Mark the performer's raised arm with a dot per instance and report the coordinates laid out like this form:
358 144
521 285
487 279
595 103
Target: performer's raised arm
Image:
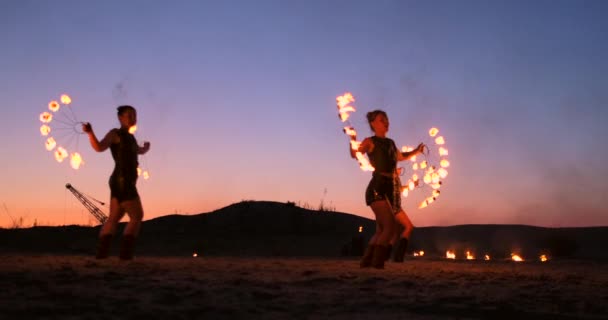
97 145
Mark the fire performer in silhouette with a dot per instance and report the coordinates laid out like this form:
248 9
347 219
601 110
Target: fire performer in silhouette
383 194
124 195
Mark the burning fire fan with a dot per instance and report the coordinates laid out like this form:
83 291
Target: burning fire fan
432 170
62 130
65 131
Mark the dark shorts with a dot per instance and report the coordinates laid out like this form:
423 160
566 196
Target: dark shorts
384 188
123 189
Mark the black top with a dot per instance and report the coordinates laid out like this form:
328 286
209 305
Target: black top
125 155
384 156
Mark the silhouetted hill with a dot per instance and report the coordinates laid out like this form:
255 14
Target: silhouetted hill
261 228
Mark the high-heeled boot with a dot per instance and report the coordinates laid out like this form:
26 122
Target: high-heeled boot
366 260
126 249
380 253
103 246
401 249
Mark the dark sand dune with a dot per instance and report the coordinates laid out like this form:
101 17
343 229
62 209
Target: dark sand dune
258 228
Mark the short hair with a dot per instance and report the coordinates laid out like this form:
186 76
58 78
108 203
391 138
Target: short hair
125 108
371 116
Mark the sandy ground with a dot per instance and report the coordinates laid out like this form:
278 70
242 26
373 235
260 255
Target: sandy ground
74 287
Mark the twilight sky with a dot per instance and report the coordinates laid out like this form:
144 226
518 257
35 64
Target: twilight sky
238 101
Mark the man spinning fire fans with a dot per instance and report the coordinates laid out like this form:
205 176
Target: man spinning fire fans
124 195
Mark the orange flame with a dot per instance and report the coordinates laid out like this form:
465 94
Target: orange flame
444 163
439 140
423 205
427 178
415 166
436 193
442 173
60 154
364 162
450 254
50 143
350 131
486 257
470 256
435 177
419 254
443 151
76 160
46 117
543 258
54 106
516 257
360 229
146 175
405 192
45 130
65 99
194 255
423 165
132 129
433 132
139 171
344 108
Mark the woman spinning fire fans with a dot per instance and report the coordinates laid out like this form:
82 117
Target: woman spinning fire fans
124 196
383 193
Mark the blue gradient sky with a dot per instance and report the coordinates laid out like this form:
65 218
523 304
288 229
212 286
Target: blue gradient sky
238 101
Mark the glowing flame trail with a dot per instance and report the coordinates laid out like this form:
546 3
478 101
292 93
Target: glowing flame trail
344 109
515 257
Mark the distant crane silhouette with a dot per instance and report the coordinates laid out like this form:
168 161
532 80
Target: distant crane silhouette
93 209
9 215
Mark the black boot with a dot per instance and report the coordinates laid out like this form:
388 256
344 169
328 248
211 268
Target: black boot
401 249
380 253
126 250
388 254
366 260
103 246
